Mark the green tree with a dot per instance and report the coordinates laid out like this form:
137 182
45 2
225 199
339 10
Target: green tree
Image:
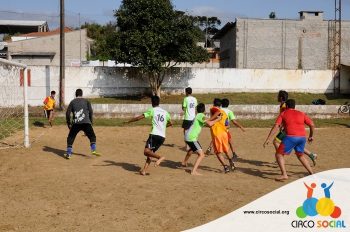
105 40
154 37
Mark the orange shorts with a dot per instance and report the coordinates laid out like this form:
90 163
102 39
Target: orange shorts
220 143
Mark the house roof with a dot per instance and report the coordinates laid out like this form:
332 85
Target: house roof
22 23
48 33
224 30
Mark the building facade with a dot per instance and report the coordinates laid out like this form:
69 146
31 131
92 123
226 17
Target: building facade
305 43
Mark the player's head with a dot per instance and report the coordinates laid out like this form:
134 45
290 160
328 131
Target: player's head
282 96
188 91
225 103
217 102
290 103
79 93
53 93
155 100
200 108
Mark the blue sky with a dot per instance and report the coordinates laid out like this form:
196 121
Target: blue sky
101 11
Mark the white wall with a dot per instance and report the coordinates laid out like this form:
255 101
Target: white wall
105 81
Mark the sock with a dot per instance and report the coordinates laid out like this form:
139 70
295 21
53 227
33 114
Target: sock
69 150
93 146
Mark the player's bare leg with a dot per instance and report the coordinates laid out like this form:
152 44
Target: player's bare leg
305 163
210 147
196 164
276 144
51 118
281 163
143 171
187 157
311 155
150 154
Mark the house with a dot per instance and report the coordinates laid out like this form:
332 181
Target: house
303 43
43 48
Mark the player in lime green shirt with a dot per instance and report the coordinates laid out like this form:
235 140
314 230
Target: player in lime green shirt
192 134
160 121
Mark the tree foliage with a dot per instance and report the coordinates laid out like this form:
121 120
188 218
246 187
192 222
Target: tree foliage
105 40
154 37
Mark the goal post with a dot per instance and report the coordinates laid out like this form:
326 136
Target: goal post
14 113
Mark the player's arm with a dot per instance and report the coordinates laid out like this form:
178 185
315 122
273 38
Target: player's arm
215 115
210 122
184 105
135 119
68 113
311 125
45 100
237 124
91 113
273 131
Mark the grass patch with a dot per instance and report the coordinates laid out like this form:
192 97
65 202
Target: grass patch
235 98
248 123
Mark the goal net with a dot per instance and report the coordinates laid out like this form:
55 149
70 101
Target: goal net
13 105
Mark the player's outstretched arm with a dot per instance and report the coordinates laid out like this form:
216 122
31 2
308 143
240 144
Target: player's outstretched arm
273 131
210 122
136 119
311 138
237 124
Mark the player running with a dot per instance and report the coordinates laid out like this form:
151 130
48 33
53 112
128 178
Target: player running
49 107
282 97
293 122
191 137
160 121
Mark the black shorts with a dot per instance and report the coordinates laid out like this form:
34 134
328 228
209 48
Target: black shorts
194 146
186 124
47 113
154 142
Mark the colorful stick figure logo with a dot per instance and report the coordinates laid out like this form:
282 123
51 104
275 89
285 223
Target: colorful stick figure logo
323 206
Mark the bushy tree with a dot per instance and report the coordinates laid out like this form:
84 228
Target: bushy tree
105 40
154 37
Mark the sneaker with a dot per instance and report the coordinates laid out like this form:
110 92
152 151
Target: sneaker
67 156
226 169
232 165
235 157
313 158
95 153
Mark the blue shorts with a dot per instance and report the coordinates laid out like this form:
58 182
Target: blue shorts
292 142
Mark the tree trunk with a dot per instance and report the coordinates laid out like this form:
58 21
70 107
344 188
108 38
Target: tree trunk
155 82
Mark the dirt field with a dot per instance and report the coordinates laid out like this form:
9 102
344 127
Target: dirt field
42 191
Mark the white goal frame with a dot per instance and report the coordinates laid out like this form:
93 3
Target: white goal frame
25 103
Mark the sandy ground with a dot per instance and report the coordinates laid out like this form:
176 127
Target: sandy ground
42 191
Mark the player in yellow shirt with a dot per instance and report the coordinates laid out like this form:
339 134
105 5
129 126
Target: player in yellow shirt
49 107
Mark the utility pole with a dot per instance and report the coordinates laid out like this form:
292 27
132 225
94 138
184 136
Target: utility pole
79 42
337 47
62 56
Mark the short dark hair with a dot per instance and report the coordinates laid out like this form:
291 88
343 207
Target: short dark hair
200 108
79 93
290 103
225 102
155 100
217 102
188 90
283 95
53 92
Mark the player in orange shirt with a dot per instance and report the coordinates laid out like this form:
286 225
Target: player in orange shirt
219 134
49 107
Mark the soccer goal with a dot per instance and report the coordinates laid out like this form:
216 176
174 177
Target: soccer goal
14 125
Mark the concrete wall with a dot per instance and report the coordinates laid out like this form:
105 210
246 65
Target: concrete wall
52 44
282 44
105 81
241 111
